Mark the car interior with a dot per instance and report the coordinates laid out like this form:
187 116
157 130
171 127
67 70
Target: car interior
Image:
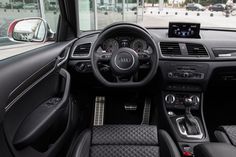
122 91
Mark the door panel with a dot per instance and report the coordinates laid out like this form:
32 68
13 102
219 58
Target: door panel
36 113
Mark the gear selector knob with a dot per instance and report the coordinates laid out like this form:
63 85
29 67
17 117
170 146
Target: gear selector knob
188 102
190 121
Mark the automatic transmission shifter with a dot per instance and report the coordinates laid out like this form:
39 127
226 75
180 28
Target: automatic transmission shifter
190 122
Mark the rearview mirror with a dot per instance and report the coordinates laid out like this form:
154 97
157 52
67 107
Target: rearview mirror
30 30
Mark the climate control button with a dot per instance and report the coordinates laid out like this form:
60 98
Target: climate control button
169 98
195 99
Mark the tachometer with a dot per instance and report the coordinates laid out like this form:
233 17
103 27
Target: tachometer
139 45
110 45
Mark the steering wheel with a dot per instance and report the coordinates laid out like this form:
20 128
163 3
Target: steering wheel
124 62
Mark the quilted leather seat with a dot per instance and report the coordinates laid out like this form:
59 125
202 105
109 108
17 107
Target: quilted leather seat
226 134
125 141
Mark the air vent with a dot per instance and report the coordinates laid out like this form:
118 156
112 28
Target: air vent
82 50
224 52
170 49
197 50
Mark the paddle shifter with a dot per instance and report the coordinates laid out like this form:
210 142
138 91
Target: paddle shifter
190 122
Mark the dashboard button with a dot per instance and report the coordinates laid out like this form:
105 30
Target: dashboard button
170 74
186 75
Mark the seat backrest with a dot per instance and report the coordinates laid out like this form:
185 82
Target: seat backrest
125 141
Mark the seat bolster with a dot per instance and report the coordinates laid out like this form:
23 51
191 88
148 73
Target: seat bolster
230 132
167 145
221 137
83 145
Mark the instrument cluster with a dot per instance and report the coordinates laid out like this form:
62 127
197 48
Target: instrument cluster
113 44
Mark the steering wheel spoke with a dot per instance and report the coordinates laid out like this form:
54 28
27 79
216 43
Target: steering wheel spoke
125 79
103 56
144 56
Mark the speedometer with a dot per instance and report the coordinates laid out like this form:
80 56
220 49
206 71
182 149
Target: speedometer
110 45
139 45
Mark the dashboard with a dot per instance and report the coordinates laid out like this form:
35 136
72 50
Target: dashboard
181 60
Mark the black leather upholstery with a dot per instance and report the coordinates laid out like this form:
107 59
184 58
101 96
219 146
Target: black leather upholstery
226 134
83 145
167 145
125 134
125 141
214 150
124 151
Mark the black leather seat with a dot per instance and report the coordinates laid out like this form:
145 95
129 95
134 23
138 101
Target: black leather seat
125 141
226 134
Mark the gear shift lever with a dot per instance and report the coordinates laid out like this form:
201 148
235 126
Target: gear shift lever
189 120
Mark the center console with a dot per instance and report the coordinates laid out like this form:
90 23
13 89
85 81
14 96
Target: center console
187 125
183 112
182 102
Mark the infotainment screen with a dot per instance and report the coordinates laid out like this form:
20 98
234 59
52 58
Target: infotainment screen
184 30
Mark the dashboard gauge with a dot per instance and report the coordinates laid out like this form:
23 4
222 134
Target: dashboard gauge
124 43
139 45
110 45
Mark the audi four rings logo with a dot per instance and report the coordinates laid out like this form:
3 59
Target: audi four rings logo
124 60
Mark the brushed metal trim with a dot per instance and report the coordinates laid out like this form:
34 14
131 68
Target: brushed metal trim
199 136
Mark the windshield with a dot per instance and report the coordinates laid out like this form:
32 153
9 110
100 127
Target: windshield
97 14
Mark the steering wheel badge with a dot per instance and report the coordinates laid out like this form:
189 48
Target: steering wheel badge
124 61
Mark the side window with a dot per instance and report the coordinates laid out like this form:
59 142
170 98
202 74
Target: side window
17 9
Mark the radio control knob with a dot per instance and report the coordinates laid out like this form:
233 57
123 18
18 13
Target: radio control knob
186 75
169 98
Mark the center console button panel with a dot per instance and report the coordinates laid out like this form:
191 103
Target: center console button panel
187 71
185 75
176 100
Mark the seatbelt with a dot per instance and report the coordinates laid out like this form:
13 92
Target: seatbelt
146 112
99 111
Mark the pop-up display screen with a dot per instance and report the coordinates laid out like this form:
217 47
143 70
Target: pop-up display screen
184 30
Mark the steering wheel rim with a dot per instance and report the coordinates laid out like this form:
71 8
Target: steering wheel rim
154 59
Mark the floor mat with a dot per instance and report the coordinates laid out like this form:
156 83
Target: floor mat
115 112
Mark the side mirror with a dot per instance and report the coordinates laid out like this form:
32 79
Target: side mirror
30 30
